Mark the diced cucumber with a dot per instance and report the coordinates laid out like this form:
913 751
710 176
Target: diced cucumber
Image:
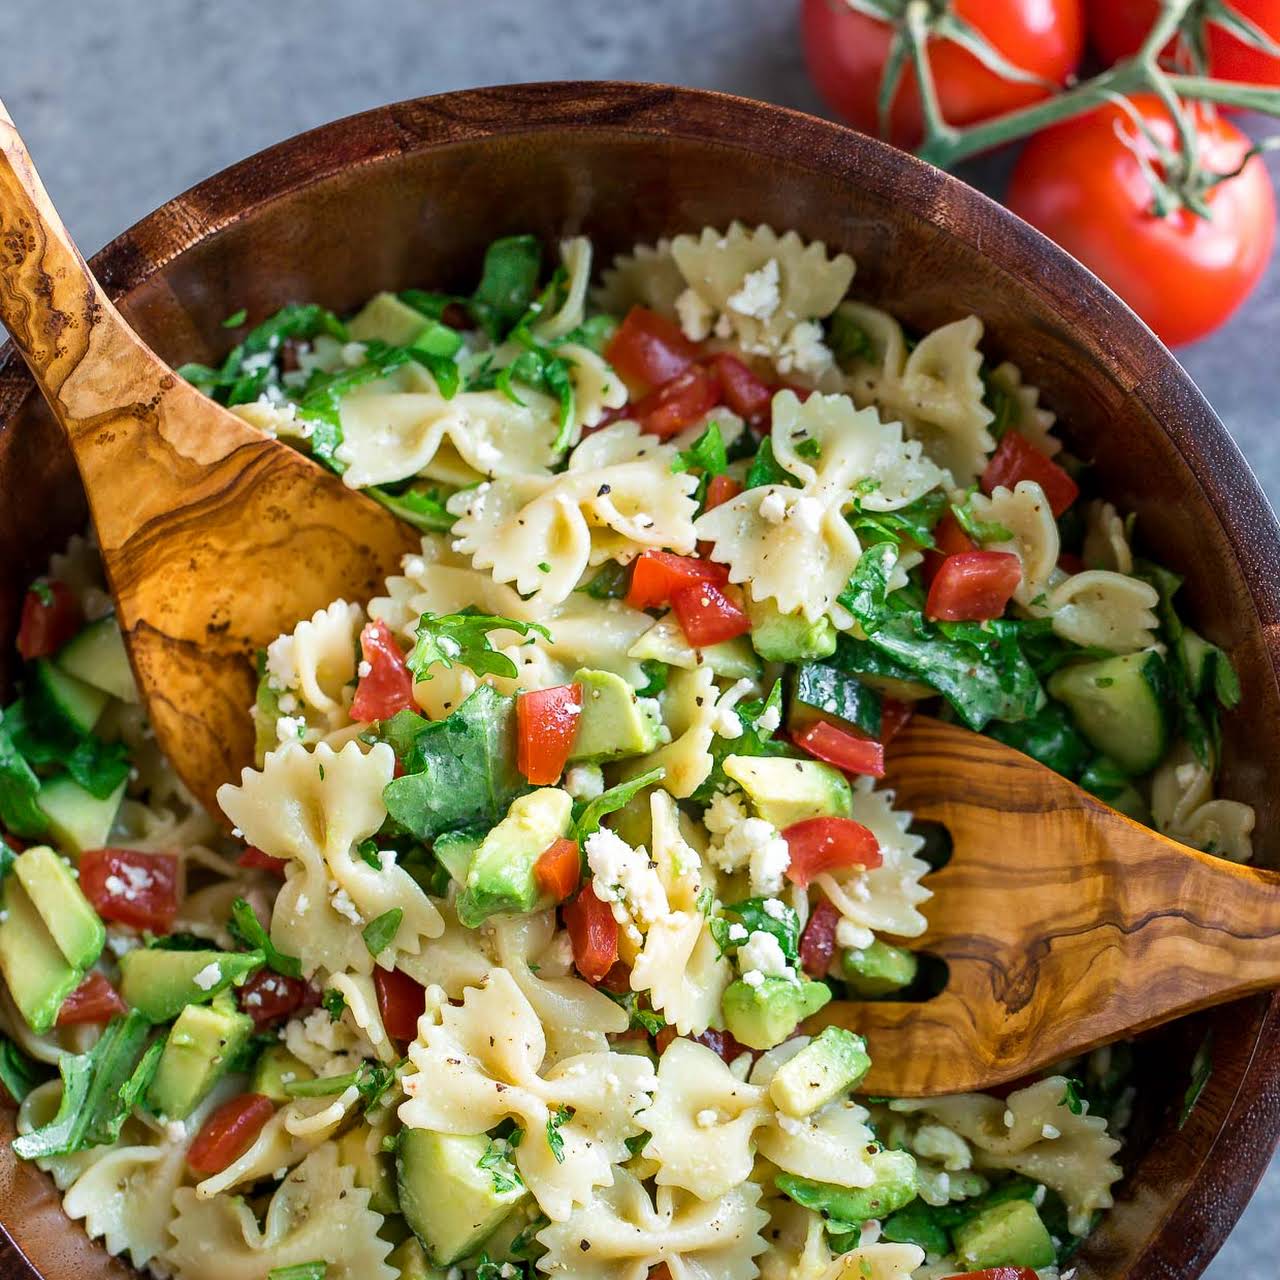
64 699
1102 779
78 820
820 692
454 851
1196 651
1121 705
97 656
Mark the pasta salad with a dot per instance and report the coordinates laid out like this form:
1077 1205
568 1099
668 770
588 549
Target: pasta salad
514 961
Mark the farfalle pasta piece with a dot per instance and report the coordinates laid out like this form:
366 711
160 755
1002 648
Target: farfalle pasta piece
1106 539
1104 610
314 669
459 958
688 706
621 1234
1183 807
318 1212
1026 513
485 1062
682 970
645 277
575 258
1029 418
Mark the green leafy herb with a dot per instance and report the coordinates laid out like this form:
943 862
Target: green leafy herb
504 1174
1002 403
43 592
370 1079
1049 736
299 1271
555 1139
1071 1098
912 523
463 638
1201 1070
765 469
235 319
638 1017
809 449
754 915
378 933
706 454
848 340
917 1223
424 509
428 304
593 333
754 740
656 673
981 531
587 821
247 929
611 583
19 786
369 854
637 1142
508 283
99 1090
526 1245
40 735
18 1073
8 854
867 593
334 1003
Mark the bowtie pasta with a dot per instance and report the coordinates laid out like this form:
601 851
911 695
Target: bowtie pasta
552 854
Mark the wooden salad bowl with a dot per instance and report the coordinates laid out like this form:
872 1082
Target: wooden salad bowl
411 194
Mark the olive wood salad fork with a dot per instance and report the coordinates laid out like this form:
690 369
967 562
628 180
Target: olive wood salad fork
215 537
1063 924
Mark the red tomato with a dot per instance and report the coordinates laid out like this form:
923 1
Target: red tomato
1069 562
846 53
949 539
973 586
50 617
720 489
259 861
660 1272
593 932
996 1273
546 722
1081 184
387 687
658 573
1017 459
836 746
721 1042
269 996
401 1002
648 349
558 869
829 844
707 616
818 941
747 395
228 1133
618 980
138 889
893 718
678 403
1116 31
94 1000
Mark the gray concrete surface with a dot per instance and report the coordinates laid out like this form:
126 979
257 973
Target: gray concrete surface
124 104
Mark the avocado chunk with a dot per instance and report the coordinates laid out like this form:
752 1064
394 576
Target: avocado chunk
1006 1235
58 698
72 923
37 973
783 791
894 1186
765 1015
665 642
879 969
410 1260
97 656
500 877
373 1168
614 723
788 637
829 1065
266 711
384 318
820 692
450 1201
201 1043
454 851
160 984
276 1068
77 820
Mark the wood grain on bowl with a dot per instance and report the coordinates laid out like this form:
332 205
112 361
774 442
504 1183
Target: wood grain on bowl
411 194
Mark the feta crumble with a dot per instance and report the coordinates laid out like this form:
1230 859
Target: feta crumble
762 954
804 351
706 1118
365 668
738 932
208 977
290 728
758 296
726 723
342 904
584 781
773 506
753 978
627 879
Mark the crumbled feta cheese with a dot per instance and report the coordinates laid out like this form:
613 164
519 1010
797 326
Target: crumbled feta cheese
414 566
508 1270
343 905
118 943
770 858
762 953
1008 1118
353 354
175 1131
114 886
758 295
742 841
282 672
208 977
1050 1131
773 506
584 781
726 723
775 908
706 1118
753 978
695 315
806 514
789 1124
724 813
737 932
365 668
290 728
769 719
287 703
626 878
804 351
851 934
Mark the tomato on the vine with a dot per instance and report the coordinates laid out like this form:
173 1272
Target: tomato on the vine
1081 183
846 52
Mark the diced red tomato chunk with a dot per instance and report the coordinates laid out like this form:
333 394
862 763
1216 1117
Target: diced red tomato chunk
836 746
269 996
259 861
818 942
973 586
995 1273
401 1002
648 349
94 1000
229 1132
133 888
949 539
593 932
50 617
656 574
677 404
546 722
746 394
385 685
829 844
1017 459
1070 563
720 489
893 718
558 869
707 616
721 1042
617 980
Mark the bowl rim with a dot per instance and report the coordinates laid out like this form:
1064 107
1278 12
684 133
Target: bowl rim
1248 1127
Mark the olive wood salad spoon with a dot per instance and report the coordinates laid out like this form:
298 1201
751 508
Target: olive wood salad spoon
215 537
1063 924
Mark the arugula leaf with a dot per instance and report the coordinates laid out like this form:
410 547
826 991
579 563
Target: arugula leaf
526 1245
981 531
912 523
755 918
1000 400
506 1177
334 1003
463 638
247 929
299 1271
611 583
594 333
18 1073
539 367
378 933
43 740
587 820
460 771
638 1017
917 1223
508 283
1071 1098
706 454
554 1138
8 854
867 592
1201 1070
754 740
19 786
422 508
656 674
236 319
371 1080
1049 736
765 469
99 1090
368 853
848 340
428 304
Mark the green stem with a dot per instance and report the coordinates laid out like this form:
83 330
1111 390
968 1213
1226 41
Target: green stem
1252 97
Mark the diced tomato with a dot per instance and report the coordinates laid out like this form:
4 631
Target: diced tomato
259 861
660 1272
546 722
818 942
707 616
558 869
995 1273
949 539
50 617
593 932
618 979
401 1002
15 845
387 687
1018 459
229 1132
269 996
829 844
840 748
94 1000
721 488
138 889
677 404
893 718
648 349
658 573
1070 563
973 586
721 1042
747 395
